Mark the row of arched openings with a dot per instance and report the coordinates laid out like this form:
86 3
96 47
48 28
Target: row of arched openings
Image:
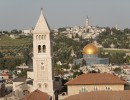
41 48
40 37
45 85
83 90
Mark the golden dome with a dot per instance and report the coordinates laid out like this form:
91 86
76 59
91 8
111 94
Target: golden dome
90 49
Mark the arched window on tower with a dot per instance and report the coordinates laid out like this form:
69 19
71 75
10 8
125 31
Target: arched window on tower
42 37
36 37
39 37
44 48
39 85
45 86
39 48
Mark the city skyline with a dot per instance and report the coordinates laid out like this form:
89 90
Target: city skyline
23 14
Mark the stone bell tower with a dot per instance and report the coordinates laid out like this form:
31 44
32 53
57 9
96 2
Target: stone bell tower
42 57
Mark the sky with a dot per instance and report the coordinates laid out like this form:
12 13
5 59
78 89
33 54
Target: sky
23 14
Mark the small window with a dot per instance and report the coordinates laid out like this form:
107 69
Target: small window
36 37
45 85
39 37
108 89
44 48
39 85
39 48
42 37
82 90
95 88
42 67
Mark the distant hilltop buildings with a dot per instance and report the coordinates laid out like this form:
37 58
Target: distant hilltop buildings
86 32
27 32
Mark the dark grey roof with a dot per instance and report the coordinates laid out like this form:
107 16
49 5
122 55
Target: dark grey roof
20 79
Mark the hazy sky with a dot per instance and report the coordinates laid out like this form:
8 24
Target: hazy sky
23 14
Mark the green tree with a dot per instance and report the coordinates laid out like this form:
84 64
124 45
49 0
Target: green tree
26 55
10 64
83 62
117 70
2 63
23 73
62 29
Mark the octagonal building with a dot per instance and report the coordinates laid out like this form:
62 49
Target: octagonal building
90 55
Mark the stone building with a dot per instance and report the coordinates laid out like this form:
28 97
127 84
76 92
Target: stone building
94 82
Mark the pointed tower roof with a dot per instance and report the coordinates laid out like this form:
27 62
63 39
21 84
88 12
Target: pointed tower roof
42 25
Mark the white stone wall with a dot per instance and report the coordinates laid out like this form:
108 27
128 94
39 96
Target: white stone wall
76 89
30 75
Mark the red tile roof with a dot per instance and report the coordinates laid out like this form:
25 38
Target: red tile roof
101 95
126 67
95 79
5 74
37 95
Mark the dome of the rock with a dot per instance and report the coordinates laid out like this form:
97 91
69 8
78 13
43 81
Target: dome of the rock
90 49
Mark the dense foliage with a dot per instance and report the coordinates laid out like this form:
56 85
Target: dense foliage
120 39
13 52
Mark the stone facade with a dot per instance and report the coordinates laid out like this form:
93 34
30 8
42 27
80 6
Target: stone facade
76 89
42 59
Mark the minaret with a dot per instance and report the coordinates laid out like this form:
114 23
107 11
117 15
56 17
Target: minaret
87 22
42 57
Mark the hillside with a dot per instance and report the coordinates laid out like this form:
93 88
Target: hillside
7 41
14 52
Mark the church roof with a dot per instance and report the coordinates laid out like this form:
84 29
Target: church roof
37 95
95 79
42 25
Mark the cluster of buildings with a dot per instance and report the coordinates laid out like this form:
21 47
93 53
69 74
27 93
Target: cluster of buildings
86 32
23 33
121 71
40 84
